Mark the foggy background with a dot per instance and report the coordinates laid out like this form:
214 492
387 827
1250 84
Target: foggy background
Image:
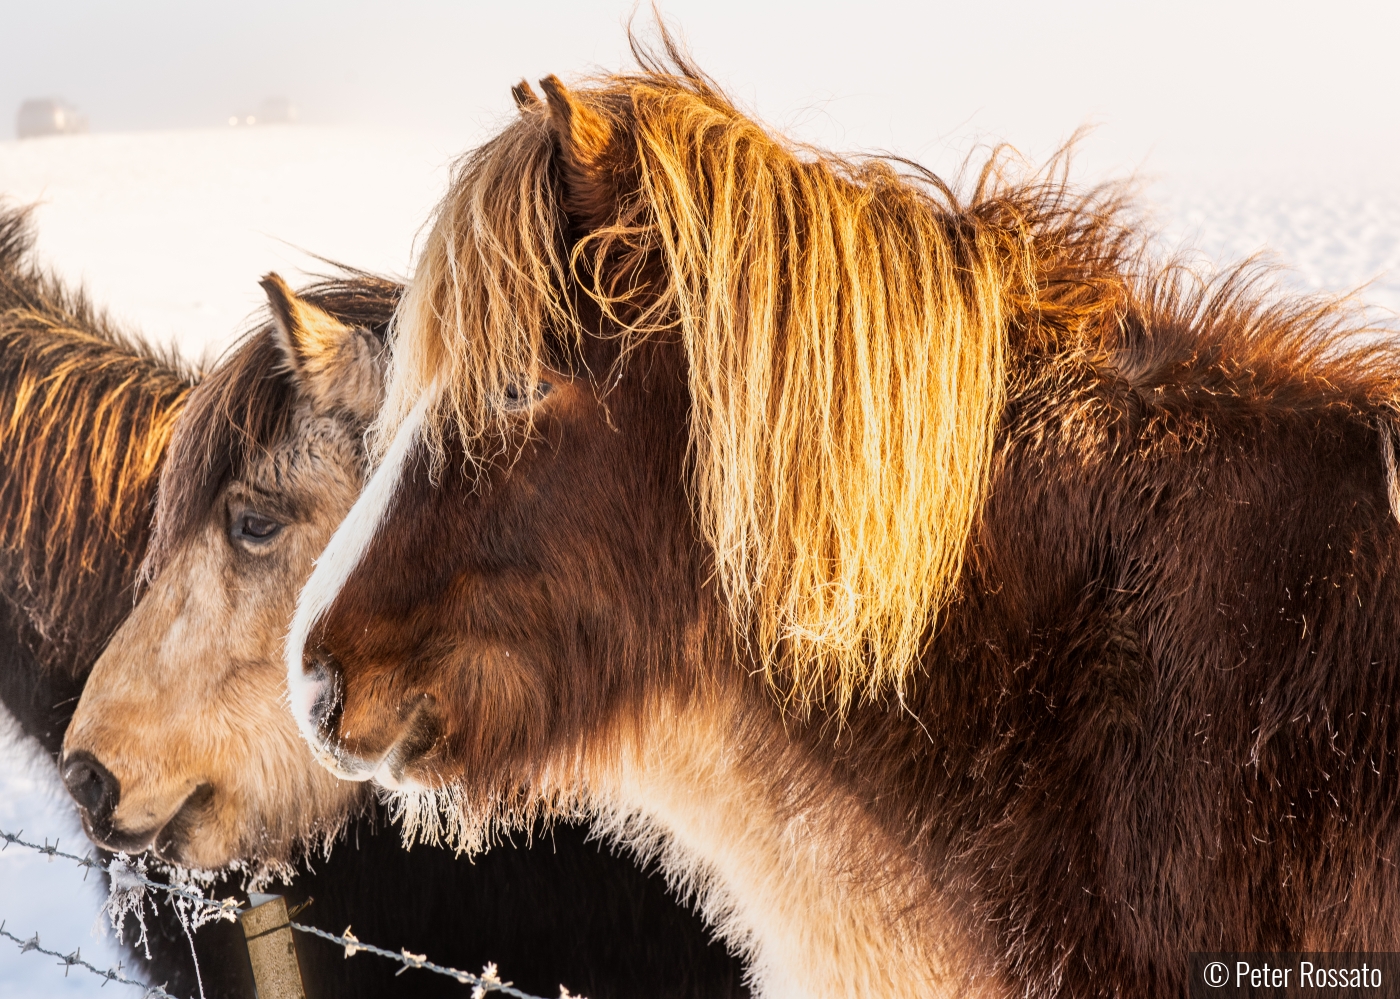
1251 126
1281 87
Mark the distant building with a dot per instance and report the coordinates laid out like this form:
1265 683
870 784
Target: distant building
273 111
277 111
45 116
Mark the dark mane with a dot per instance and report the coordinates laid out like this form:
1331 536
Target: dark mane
86 411
244 406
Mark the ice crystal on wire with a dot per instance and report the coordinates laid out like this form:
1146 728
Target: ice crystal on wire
126 896
191 912
130 888
489 976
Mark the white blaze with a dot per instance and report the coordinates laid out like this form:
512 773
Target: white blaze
344 552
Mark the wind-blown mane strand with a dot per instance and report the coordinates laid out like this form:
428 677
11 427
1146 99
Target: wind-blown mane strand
846 339
847 324
494 268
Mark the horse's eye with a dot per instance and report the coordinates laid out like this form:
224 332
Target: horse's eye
255 529
518 396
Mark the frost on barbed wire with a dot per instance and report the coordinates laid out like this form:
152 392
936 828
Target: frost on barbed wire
131 888
126 896
200 909
192 914
489 976
75 960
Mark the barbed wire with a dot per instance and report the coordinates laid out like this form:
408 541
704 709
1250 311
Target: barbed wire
75 960
228 908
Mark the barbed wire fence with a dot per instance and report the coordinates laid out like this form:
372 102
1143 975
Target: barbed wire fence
129 885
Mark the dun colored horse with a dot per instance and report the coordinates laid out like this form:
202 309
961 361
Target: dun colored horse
956 601
86 418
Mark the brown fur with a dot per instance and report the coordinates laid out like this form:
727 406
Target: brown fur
1155 716
244 407
815 297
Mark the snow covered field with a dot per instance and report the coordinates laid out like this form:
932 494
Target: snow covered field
171 230
1332 237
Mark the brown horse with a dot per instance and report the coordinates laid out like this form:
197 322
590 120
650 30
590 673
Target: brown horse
956 601
181 741
86 418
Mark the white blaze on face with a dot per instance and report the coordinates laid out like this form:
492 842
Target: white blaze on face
344 552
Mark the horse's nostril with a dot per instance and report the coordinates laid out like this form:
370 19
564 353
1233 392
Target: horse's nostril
92 785
323 671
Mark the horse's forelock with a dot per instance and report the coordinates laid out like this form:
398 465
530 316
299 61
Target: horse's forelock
241 408
488 299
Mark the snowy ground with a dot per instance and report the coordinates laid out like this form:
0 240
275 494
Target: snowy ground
171 231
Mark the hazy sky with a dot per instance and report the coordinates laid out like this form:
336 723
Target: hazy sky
1179 86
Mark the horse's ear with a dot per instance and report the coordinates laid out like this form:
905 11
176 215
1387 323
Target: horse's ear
584 139
337 366
525 98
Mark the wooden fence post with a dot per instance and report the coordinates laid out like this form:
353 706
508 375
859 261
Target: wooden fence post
271 949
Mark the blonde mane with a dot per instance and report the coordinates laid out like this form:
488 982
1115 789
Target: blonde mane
847 323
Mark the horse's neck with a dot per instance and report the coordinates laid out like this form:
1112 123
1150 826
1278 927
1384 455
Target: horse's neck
782 860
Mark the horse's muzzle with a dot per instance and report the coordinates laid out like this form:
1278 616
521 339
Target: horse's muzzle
324 691
96 790
317 701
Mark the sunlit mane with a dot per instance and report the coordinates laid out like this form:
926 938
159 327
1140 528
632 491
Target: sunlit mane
847 322
86 419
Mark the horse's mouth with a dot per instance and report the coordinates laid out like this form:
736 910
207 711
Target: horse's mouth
175 834
417 739
109 837
420 732
163 840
